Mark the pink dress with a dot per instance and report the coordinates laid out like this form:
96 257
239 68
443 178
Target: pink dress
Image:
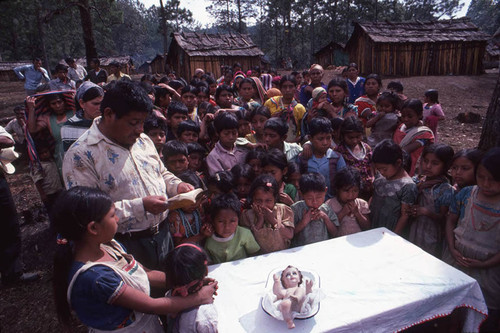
348 225
431 117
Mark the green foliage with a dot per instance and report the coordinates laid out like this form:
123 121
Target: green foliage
485 14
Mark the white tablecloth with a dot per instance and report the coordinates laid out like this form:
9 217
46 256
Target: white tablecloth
374 281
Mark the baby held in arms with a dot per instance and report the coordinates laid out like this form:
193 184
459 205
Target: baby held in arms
289 288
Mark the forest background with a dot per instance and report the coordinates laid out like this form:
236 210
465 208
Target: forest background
54 29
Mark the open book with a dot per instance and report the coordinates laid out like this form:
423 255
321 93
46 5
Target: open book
185 199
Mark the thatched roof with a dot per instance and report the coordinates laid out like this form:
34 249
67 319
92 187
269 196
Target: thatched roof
205 45
105 61
422 32
10 65
493 46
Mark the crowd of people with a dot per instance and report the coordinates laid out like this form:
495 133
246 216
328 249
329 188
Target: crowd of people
283 161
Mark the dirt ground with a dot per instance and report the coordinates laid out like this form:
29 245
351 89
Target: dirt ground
30 308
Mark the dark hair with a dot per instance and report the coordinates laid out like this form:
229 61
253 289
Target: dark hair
43 144
293 167
148 88
225 201
277 125
210 80
443 152
222 180
391 97
190 177
160 92
491 161
242 114
294 73
433 95
415 105
125 97
396 86
346 177
336 123
188 125
312 182
185 264
320 125
177 107
36 59
176 84
338 82
115 64
237 64
260 111
225 121
209 108
352 64
286 78
195 147
61 67
203 89
174 147
149 77
92 93
387 152
375 77
262 182
222 88
305 72
242 171
255 154
473 155
249 81
95 61
154 122
52 97
74 209
351 124
69 60
275 157
189 89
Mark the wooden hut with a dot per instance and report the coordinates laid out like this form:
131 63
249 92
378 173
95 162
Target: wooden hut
418 48
332 54
492 56
191 50
158 64
7 69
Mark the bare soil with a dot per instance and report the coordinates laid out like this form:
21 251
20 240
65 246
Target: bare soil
30 307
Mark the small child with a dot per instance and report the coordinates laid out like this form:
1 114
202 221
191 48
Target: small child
357 154
352 212
189 98
433 113
275 130
16 127
196 157
243 176
271 222
258 118
472 234
463 168
293 177
47 180
275 164
220 183
254 158
244 127
188 131
324 160
175 156
411 135
176 113
386 120
226 153
156 128
229 241
186 270
434 197
314 220
397 87
367 102
393 190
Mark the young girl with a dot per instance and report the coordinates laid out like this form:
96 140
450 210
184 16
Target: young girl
254 159
433 113
186 269
271 222
356 153
433 200
94 276
472 234
367 103
246 92
386 121
351 211
411 135
293 177
229 241
275 164
356 84
393 190
258 118
463 168
224 97
339 93
243 176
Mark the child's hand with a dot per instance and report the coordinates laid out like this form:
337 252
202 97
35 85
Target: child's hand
306 218
207 230
276 277
459 258
257 209
285 199
318 214
206 293
353 207
309 285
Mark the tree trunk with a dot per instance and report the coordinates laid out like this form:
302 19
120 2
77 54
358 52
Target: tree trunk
490 136
312 6
164 28
41 34
88 32
240 17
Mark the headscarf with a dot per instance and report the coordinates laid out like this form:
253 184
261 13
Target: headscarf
317 92
260 90
316 66
80 92
267 80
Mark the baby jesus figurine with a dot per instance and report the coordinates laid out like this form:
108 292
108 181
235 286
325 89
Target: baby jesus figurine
289 289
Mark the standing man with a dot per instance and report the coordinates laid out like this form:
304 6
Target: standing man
75 72
32 75
96 75
62 81
115 156
116 74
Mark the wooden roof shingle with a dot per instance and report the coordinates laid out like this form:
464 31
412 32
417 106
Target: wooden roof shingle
203 45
